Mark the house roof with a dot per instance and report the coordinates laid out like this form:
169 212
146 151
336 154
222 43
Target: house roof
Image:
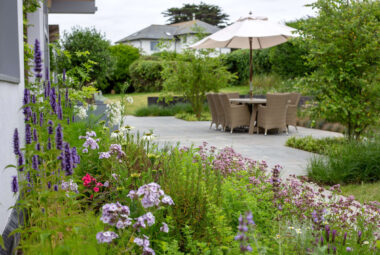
169 31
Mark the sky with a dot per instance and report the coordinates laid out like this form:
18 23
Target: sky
120 18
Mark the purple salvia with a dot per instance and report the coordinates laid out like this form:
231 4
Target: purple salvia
35 136
47 76
50 127
67 158
48 89
327 231
41 119
26 99
27 113
344 238
49 184
34 118
55 187
75 156
359 236
20 162
37 60
321 240
28 177
35 162
16 143
59 107
14 184
68 121
53 100
33 99
38 147
333 236
59 137
28 134
49 144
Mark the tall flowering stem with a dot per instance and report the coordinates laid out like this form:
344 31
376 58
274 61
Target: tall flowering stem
37 60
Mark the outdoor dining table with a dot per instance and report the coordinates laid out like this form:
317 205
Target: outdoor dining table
254 102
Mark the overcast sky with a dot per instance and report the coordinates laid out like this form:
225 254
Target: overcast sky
119 18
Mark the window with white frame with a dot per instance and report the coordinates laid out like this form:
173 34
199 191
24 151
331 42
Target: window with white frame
9 44
153 45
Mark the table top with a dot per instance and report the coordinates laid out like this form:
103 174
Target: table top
249 100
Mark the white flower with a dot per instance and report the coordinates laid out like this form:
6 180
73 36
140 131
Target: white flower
298 231
126 129
290 227
81 111
130 100
365 242
113 112
116 134
149 136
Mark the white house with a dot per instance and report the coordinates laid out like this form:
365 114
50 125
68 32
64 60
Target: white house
174 37
12 84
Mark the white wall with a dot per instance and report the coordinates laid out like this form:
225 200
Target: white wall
10 118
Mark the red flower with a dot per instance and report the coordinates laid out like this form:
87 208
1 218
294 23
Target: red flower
96 189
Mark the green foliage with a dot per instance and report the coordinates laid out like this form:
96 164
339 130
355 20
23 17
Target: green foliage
146 75
206 116
344 50
157 110
320 146
238 62
193 76
354 162
211 14
288 59
123 56
92 42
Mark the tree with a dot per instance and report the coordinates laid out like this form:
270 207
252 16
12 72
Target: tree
211 14
344 49
193 75
91 41
123 56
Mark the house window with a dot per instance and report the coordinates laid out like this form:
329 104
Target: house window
9 44
153 45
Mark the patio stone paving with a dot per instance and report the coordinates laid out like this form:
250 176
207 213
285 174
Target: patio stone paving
270 148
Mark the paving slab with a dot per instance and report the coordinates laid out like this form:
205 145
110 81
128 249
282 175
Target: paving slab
270 148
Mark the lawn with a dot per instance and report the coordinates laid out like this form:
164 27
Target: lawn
363 192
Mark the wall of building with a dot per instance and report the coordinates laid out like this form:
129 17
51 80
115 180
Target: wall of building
11 95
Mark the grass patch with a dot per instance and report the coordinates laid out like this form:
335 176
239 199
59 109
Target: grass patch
139 100
157 110
363 192
320 146
353 162
206 116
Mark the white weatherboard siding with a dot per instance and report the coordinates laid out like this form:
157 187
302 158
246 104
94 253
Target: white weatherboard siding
11 95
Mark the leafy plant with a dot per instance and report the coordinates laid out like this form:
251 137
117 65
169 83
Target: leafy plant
146 75
192 76
344 43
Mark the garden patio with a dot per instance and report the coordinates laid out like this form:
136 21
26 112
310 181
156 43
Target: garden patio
270 148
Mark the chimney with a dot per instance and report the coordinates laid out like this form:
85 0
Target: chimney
193 16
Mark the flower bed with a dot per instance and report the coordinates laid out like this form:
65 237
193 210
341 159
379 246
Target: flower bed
87 190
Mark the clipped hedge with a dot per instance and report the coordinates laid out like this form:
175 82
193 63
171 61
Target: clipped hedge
146 75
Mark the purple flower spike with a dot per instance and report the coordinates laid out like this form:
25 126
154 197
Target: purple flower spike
35 136
35 162
41 119
333 235
49 144
75 156
66 96
55 187
321 240
68 165
28 134
59 107
327 229
50 127
14 184
47 76
344 238
20 162
359 236
26 99
33 97
53 100
37 60
34 118
68 121
16 143
59 137
64 75
49 185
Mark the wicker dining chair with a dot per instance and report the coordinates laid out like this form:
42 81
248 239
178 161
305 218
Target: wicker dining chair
291 114
273 115
235 115
219 110
233 95
211 105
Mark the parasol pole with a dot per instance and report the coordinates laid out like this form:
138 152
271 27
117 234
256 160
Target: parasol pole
250 69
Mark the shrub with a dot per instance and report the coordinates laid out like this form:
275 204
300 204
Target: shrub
90 41
354 162
320 146
123 56
238 62
157 110
288 59
146 75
